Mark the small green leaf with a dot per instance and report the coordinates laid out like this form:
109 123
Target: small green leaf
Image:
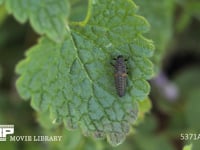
74 79
144 107
46 16
188 147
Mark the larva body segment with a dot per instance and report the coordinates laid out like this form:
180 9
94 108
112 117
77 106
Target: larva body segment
120 75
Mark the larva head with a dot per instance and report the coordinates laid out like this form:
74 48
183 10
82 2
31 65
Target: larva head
120 58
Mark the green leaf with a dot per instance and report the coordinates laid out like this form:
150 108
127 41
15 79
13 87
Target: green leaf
44 120
192 110
193 8
190 9
68 137
160 16
78 10
183 22
153 142
195 145
187 80
144 107
188 147
80 143
74 79
46 17
3 14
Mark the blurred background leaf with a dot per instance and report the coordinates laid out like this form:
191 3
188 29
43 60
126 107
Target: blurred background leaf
187 10
160 17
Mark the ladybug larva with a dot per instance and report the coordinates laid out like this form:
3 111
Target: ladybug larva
120 75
